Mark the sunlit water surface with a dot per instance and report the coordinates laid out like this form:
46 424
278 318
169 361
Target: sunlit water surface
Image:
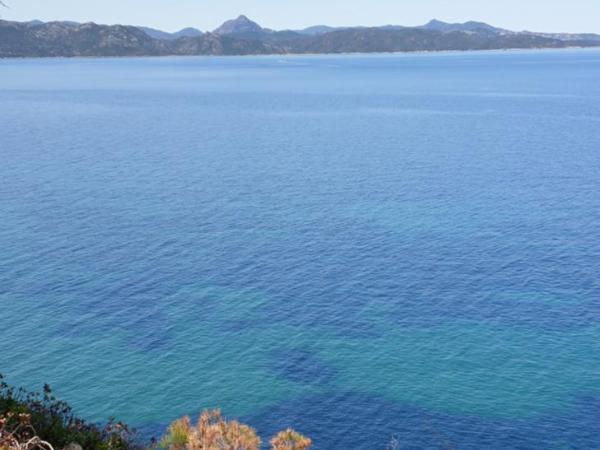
356 246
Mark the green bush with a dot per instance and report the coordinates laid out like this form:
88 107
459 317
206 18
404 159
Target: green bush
54 421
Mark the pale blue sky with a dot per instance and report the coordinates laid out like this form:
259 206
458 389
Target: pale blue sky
537 15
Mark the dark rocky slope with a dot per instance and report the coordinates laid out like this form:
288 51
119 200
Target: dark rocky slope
244 37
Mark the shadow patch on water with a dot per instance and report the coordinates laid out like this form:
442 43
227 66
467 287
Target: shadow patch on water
301 366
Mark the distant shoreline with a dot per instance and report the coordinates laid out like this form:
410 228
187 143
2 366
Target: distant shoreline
242 37
283 55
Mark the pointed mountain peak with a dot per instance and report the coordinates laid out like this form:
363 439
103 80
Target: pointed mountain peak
241 25
435 22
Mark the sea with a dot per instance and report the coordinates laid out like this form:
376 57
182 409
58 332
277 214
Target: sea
365 248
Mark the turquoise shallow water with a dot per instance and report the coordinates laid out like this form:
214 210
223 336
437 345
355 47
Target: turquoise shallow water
358 246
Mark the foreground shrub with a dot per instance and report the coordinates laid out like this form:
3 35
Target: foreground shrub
213 432
290 440
53 422
16 433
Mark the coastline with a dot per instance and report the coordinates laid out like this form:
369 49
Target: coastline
271 55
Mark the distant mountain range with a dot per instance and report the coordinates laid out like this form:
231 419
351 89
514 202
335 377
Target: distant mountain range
242 36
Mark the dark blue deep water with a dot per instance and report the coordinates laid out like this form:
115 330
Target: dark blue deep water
358 246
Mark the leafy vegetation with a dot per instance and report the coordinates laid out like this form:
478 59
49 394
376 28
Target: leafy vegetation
290 440
16 433
213 432
27 415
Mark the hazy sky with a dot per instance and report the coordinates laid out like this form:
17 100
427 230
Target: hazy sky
538 15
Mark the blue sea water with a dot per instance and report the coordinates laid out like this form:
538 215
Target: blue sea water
357 246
